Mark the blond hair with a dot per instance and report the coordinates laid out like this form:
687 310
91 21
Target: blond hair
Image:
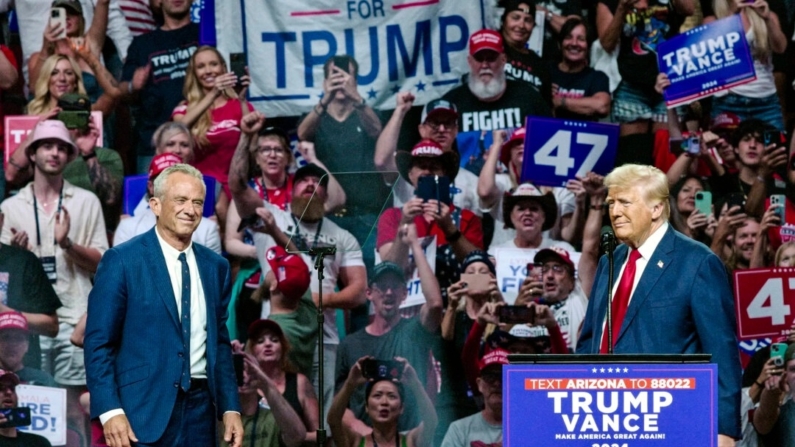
193 93
41 89
760 47
652 182
169 129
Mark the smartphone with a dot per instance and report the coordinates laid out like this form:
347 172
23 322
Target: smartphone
777 351
237 65
477 283
15 417
247 222
692 145
704 202
377 369
237 361
516 314
434 187
58 15
343 63
534 272
736 199
778 200
774 137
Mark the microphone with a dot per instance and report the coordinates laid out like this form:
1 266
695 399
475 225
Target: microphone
607 239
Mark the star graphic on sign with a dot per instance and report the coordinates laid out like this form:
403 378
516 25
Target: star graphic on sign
371 93
420 86
602 370
610 370
395 88
593 370
626 369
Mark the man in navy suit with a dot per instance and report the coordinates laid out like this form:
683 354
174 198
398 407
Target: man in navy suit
157 351
677 298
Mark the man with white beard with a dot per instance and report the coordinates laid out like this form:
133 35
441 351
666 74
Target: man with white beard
488 100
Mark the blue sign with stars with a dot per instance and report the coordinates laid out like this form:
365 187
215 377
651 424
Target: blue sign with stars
556 151
622 405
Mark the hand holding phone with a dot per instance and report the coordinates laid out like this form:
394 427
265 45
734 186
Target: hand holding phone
58 17
237 65
777 201
777 352
15 417
378 369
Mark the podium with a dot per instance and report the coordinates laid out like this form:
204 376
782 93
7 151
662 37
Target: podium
620 400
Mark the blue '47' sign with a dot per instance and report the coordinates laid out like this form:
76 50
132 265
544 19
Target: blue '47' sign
556 151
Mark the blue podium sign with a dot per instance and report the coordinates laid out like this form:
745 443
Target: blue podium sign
610 405
556 151
705 60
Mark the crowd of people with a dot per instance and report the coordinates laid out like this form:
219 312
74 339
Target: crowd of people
413 334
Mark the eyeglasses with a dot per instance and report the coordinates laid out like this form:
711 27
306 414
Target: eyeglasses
486 56
448 125
557 268
267 150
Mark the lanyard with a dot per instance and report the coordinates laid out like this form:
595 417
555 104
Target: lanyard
298 235
36 213
284 197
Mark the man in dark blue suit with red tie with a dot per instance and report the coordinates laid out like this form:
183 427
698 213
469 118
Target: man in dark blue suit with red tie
157 352
671 295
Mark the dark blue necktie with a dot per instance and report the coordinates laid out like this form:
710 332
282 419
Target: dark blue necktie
185 381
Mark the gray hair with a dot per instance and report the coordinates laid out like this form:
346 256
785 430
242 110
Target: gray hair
652 182
160 180
170 128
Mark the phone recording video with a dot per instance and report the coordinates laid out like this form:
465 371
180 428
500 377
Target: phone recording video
382 369
15 417
343 63
477 283
516 314
434 187
777 352
777 202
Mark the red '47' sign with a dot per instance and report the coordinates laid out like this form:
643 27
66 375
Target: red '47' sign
765 302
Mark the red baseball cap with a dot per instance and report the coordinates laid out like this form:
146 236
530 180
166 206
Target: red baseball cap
517 137
13 320
9 377
495 357
485 39
161 162
290 270
554 254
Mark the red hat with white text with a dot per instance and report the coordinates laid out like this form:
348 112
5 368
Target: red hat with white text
427 148
290 270
160 163
485 39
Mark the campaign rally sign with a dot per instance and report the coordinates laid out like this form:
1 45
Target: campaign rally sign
764 300
400 45
624 405
705 60
47 411
511 265
17 128
556 151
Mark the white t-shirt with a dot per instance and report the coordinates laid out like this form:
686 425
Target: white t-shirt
569 314
464 191
546 242
349 254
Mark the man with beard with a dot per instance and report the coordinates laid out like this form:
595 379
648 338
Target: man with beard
484 428
63 226
488 100
305 227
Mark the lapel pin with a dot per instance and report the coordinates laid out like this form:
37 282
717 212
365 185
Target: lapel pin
660 264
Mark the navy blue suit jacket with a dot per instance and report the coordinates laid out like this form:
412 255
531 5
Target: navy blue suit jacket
133 345
683 304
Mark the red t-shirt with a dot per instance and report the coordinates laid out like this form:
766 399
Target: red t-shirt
224 133
786 232
664 159
469 226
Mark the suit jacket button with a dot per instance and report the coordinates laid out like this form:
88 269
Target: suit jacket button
180 354
176 385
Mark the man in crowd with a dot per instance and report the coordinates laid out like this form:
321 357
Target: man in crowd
14 344
344 129
25 288
734 239
439 122
774 418
142 221
698 316
166 51
11 436
389 335
170 383
555 287
489 101
63 226
483 428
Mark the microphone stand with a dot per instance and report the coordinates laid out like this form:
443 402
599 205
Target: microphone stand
319 254
610 246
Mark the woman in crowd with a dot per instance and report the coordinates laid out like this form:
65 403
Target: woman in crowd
578 92
785 255
61 75
384 404
685 218
756 99
516 25
212 110
279 405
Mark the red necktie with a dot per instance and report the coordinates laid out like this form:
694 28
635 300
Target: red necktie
621 299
